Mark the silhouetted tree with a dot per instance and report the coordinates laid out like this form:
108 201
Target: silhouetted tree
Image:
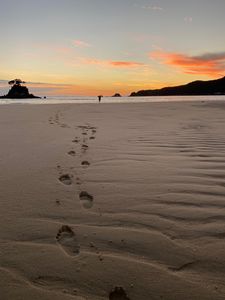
16 82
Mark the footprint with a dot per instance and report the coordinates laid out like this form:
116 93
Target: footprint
91 137
84 147
118 294
67 240
85 163
86 199
76 140
72 153
65 179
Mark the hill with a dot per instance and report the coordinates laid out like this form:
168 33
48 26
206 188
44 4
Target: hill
210 87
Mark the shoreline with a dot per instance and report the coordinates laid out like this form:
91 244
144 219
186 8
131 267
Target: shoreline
108 100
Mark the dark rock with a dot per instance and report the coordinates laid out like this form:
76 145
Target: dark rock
116 95
18 91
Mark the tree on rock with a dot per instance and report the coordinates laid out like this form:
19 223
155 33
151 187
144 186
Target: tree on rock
18 91
16 82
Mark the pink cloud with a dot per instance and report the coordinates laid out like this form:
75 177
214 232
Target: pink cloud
212 64
81 44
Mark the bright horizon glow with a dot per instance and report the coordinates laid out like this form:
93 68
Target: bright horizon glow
84 47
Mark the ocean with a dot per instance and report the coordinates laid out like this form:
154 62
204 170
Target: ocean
94 100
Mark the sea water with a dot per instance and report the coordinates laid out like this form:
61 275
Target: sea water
94 100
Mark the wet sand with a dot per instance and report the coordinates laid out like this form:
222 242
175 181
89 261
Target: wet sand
112 201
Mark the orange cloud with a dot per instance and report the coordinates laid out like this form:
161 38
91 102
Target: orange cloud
111 63
212 64
129 64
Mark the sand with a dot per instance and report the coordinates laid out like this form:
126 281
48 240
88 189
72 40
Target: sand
112 201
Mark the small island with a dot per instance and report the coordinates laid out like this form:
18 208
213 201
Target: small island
116 95
18 91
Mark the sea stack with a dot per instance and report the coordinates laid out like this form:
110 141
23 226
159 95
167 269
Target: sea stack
116 95
18 91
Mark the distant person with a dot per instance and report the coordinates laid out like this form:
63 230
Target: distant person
99 98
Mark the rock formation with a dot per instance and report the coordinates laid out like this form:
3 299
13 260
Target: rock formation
18 91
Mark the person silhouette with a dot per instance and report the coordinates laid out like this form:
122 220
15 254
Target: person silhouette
99 98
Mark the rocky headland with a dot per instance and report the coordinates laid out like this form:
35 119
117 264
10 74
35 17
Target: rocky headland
210 87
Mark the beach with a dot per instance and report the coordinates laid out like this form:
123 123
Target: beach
112 201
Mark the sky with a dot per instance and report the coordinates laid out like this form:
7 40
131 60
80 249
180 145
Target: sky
91 47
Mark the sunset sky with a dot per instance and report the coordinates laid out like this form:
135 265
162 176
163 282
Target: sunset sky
87 47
